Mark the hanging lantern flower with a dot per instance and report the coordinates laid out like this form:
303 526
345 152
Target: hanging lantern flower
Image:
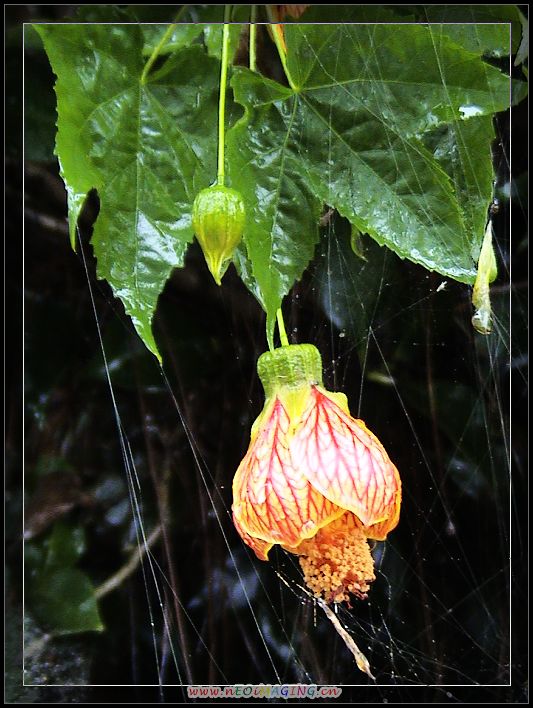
314 480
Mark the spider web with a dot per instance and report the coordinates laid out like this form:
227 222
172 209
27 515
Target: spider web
398 341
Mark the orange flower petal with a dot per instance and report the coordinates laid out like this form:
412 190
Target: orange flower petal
345 461
380 530
260 548
272 500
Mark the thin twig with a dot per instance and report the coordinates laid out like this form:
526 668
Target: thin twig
360 658
116 580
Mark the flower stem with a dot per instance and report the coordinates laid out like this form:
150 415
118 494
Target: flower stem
164 39
281 327
253 39
222 95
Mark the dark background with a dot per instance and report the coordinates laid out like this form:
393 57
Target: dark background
439 609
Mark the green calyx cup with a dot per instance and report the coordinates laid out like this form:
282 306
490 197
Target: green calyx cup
289 368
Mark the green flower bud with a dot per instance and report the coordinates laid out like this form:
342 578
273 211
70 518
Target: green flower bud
218 220
487 271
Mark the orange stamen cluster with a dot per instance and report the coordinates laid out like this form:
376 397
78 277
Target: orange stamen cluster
337 561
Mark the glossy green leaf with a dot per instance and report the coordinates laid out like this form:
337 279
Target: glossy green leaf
265 166
183 36
493 30
63 601
400 75
463 149
349 286
193 21
213 29
482 29
349 134
146 148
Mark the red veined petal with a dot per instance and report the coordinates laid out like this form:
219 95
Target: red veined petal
345 461
272 500
380 530
260 548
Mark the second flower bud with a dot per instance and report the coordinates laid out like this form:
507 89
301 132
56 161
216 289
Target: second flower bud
218 218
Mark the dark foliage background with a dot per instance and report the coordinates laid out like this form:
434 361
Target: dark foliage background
442 591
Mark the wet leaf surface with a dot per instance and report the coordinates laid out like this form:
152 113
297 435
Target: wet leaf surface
140 146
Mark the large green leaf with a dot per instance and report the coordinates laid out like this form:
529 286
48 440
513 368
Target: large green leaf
490 30
400 76
146 147
281 212
349 133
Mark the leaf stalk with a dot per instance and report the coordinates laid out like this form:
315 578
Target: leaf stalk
164 39
281 327
253 38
